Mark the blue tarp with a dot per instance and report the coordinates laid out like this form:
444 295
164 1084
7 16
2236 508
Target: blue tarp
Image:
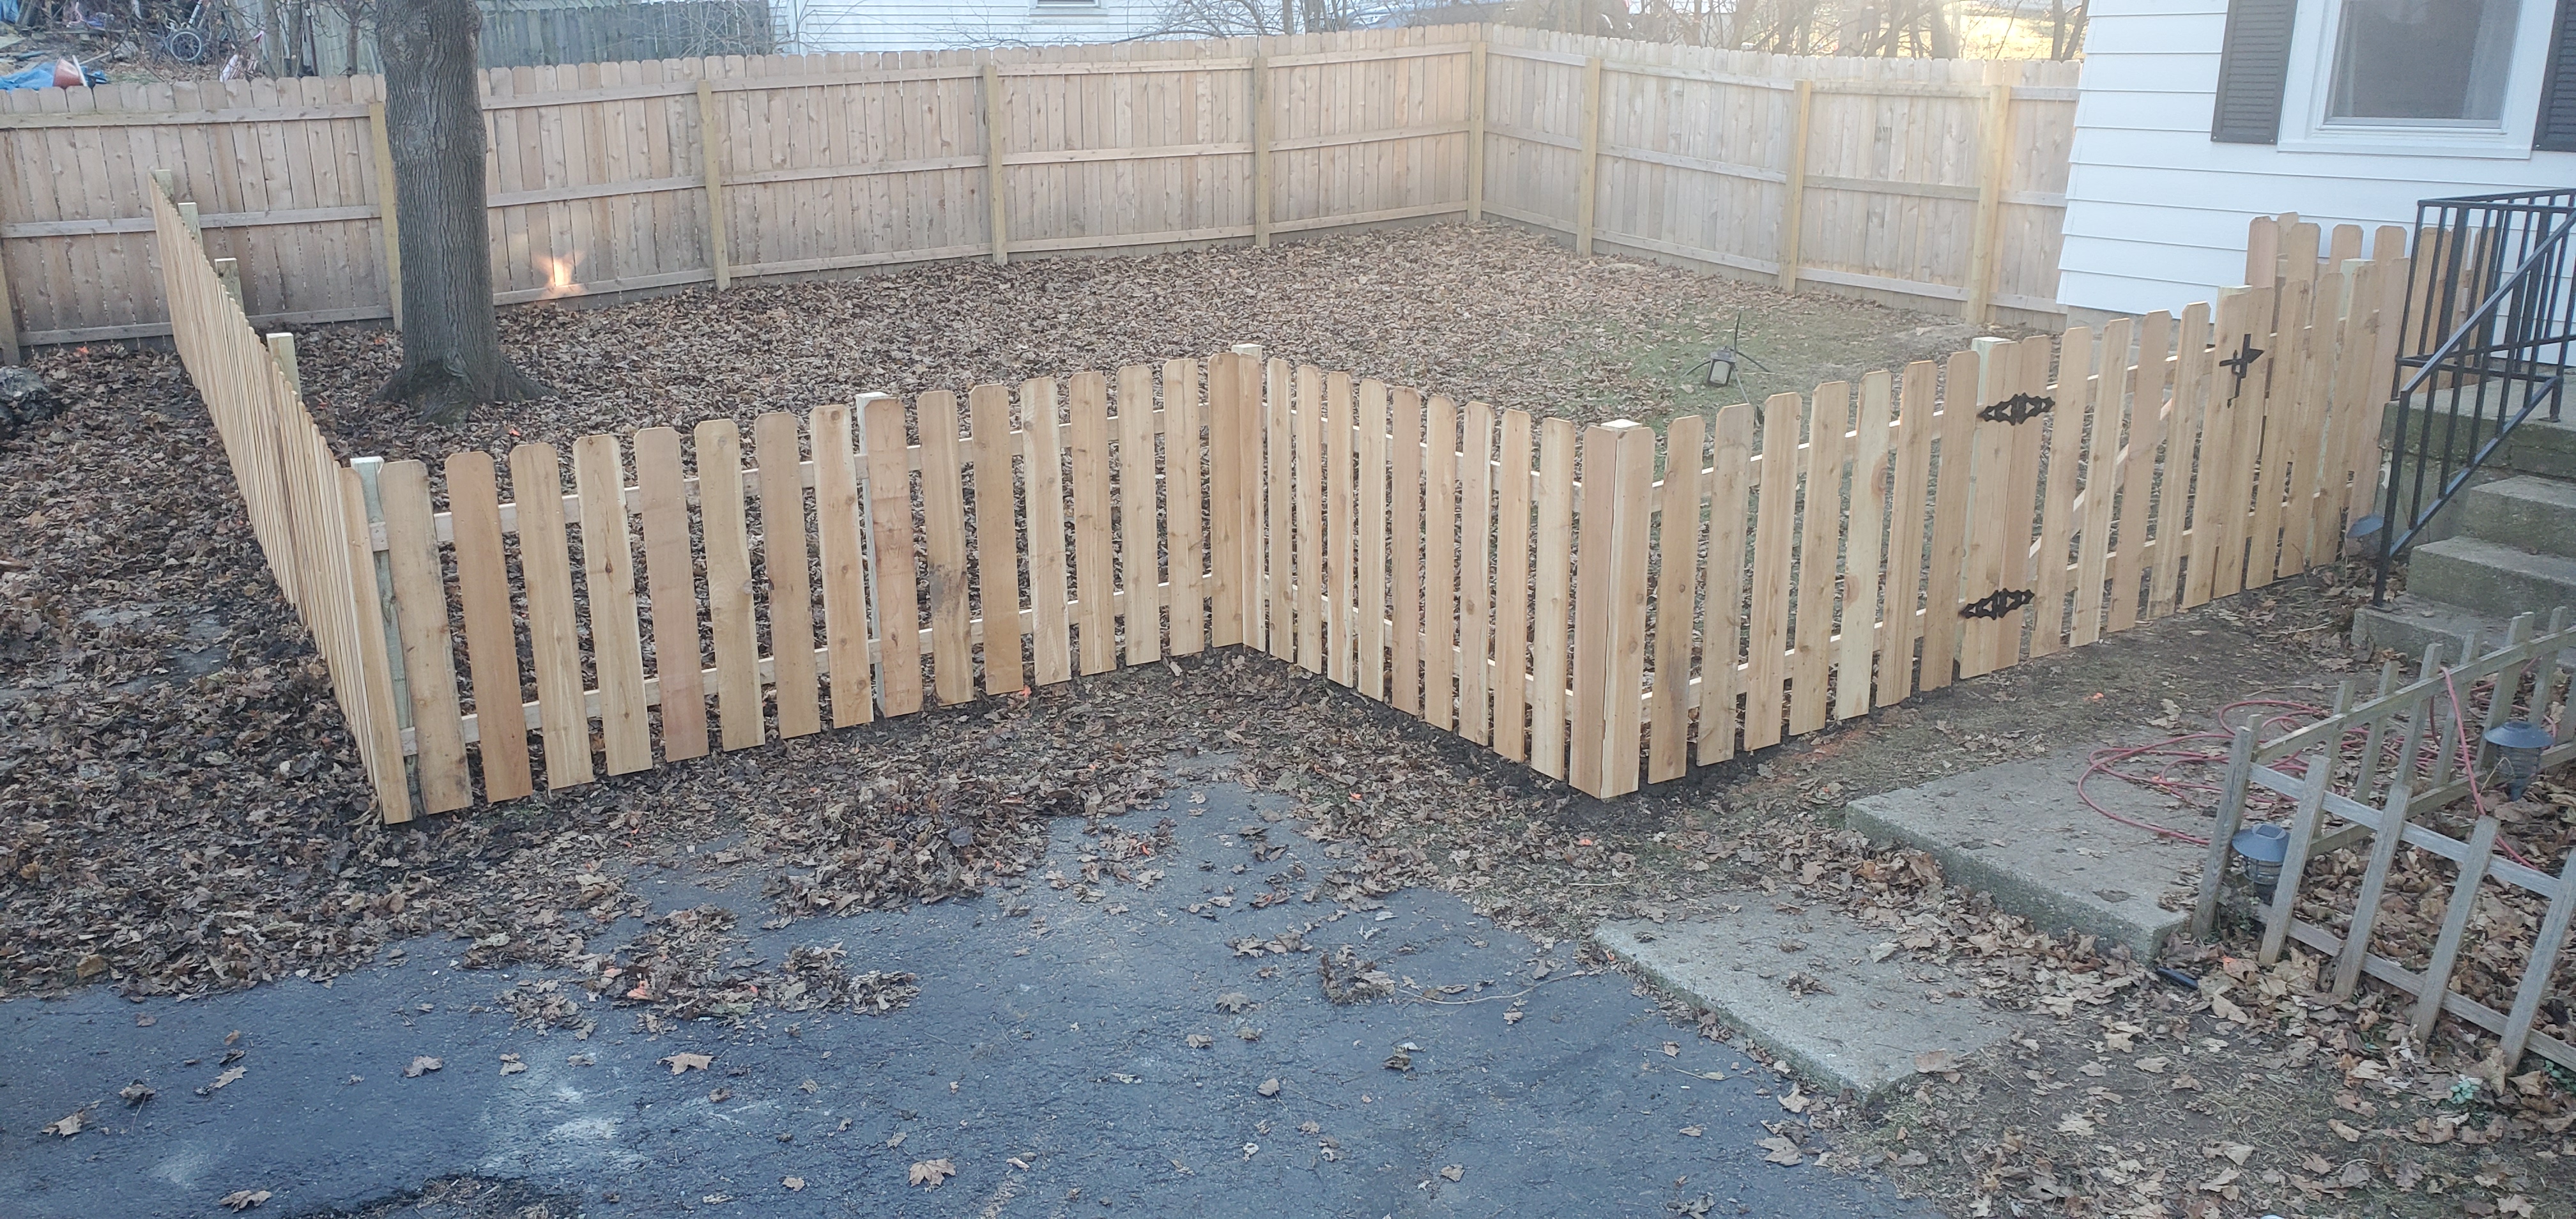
41 75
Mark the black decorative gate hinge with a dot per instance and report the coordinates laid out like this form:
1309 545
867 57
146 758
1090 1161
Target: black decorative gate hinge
2020 408
1998 603
2241 364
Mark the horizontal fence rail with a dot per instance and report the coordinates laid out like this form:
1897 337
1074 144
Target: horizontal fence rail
1607 604
1924 182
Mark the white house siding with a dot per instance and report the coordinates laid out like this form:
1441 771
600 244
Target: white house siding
814 26
2156 211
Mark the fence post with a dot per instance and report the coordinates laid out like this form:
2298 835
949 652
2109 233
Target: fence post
2231 814
1610 607
228 270
711 151
1793 208
281 347
1588 187
1234 493
1996 133
368 470
386 212
1476 127
991 96
8 319
188 217
1259 92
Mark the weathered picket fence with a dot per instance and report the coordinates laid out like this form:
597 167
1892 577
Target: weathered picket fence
2380 768
1604 603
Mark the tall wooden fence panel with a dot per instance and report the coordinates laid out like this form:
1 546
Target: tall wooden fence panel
1929 182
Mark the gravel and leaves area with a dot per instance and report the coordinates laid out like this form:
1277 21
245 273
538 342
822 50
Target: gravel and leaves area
1486 312
181 811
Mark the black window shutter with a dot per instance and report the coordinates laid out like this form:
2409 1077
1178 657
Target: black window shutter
2252 70
2556 131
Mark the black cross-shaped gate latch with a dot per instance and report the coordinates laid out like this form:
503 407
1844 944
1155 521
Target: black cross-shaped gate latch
2241 363
2020 408
1996 604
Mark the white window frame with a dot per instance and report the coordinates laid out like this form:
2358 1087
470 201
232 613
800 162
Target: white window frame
2310 86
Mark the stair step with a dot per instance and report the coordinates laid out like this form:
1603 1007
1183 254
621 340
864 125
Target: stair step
2409 623
2523 511
2491 579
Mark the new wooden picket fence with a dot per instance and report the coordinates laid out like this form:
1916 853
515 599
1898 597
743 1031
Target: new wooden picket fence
1925 182
2380 768
1606 604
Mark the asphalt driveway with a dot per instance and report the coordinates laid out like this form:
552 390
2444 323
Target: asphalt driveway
1070 1059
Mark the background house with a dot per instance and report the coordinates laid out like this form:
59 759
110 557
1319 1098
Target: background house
2195 116
814 26
314 36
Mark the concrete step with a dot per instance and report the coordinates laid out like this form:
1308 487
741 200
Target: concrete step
2409 623
2489 578
2523 511
2019 832
1815 987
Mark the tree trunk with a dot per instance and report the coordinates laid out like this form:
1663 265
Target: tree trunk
434 120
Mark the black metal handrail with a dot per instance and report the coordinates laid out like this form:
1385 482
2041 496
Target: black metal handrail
2498 264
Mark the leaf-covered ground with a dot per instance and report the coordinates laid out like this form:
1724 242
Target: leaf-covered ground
181 811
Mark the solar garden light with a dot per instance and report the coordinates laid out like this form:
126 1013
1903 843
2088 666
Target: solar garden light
2263 848
1718 370
2517 747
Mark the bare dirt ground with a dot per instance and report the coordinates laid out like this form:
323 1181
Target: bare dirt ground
181 811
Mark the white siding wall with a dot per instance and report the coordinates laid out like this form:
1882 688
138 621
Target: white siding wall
2156 211
817 26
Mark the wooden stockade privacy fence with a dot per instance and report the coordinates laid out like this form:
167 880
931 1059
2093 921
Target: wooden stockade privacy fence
1530 586
2381 768
1935 181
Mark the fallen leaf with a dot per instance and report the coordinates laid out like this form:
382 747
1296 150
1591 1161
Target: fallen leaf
2075 1124
793 1183
2355 1173
1399 1061
1936 1062
1672 1049
1694 1131
2344 1131
1796 1101
899 1137
510 1064
1782 1151
230 1075
244 1199
1513 1016
69 1126
2237 1152
1234 1002
2225 1009
422 1065
684 1062
1269 1087
1198 1041
2316 1164
929 1173
2155 1065
1454 1171
135 1093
